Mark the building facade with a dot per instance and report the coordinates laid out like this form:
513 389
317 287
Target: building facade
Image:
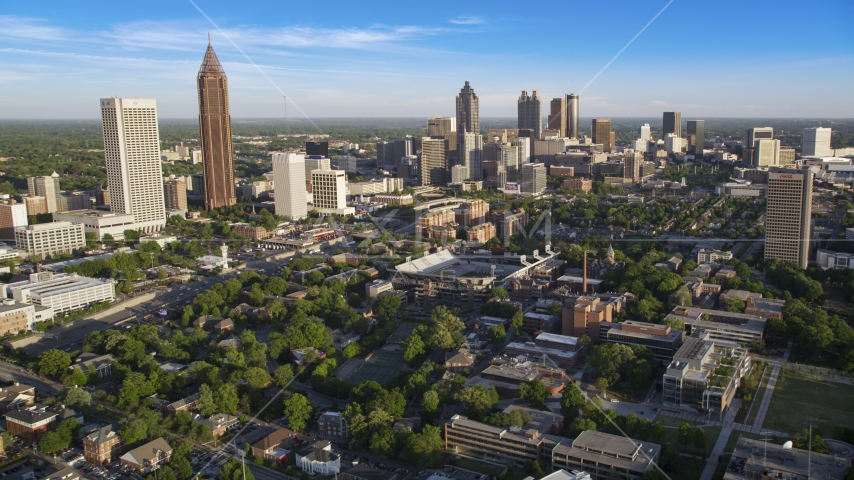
329 192
215 132
530 112
47 239
132 153
289 177
787 216
12 217
47 187
671 123
175 194
602 133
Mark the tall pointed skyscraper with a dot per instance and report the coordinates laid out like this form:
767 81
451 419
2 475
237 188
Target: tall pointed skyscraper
468 111
215 131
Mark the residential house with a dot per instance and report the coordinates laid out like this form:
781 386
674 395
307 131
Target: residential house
16 396
206 322
219 423
223 326
274 447
299 355
147 457
187 403
460 360
231 341
333 424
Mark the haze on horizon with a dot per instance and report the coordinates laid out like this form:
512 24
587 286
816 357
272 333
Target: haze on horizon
387 60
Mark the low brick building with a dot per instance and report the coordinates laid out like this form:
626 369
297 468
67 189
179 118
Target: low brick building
101 446
147 457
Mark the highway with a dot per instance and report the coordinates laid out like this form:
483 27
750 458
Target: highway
15 373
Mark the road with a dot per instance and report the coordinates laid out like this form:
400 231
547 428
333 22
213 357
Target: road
18 374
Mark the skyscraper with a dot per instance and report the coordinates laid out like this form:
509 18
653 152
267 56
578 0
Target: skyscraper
12 216
289 185
385 154
329 192
672 123
468 111
766 153
439 126
215 132
318 148
533 178
470 152
47 187
132 153
175 194
696 136
752 137
434 164
530 112
631 165
572 114
602 133
557 116
816 142
787 215
645 132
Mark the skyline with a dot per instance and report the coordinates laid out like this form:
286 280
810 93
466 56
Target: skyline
392 61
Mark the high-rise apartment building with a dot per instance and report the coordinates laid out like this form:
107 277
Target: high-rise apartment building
530 112
645 133
533 178
439 126
696 137
132 153
572 115
816 142
787 215
632 165
215 131
434 163
672 123
602 133
329 192
557 116
175 194
12 216
470 152
468 110
289 185
47 187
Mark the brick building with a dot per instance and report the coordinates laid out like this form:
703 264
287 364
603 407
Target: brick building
101 446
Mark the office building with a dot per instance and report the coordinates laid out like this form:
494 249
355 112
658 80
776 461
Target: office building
48 239
602 133
61 292
696 137
672 123
439 126
132 152
734 327
470 152
316 162
99 222
660 339
645 133
434 164
402 148
35 205
47 187
753 135
320 149
12 216
557 116
17 317
533 178
523 150
572 115
705 374
175 194
532 442
215 131
785 156
603 455
329 192
766 153
530 113
632 166
459 173
816 142
787 216
385 156
289 177
468 111
673 143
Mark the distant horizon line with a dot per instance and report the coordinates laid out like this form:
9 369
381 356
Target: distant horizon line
97 119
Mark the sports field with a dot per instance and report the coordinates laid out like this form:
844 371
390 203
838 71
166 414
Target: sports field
799 402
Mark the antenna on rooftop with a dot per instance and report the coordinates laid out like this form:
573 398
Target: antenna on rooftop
287 125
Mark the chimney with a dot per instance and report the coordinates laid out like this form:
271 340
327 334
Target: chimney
584 273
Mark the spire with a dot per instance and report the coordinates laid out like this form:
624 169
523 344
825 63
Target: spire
209 39
210 64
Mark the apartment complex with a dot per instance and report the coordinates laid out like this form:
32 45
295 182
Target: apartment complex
713 256
660 339
532 442
175 194
705 374
215 131
101 446
61 292
578 184
48 239
434 163
471 213
480 233
603 455
787 216
332 424
289 176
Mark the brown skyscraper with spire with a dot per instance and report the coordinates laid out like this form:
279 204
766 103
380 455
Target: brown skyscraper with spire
215 131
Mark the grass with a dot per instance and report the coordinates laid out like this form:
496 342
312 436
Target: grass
672 434
799 402
689 469
478 466
758 395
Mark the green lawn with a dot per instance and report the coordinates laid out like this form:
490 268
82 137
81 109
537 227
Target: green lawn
799 402
690 469
672 434
758 396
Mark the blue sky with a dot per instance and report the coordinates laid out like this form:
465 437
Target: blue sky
753 58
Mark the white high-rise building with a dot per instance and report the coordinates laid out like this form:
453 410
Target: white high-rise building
523 150
533 178
645 132
289 178
132 152
766 152
329 191
12 216
470 148
816 142
673 144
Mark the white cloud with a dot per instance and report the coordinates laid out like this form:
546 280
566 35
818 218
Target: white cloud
466 20
25 28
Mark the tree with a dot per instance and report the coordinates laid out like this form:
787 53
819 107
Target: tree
234 469
351 350
478 399
571 400
60 438
700 438
424 448
444 330
582 424
133 431
430 402
498 292
497 333
227 399
256 377
75 396
387 306
742 270
517 321
535 390
686 434
283 375
207 403
734 304
413 346
54 363
298 410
